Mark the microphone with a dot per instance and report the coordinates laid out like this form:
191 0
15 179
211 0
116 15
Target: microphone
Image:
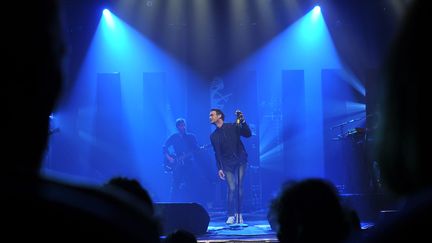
239 116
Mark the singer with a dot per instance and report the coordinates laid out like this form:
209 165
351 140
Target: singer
231 158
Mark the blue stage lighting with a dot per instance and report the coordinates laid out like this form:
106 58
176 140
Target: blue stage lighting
317 9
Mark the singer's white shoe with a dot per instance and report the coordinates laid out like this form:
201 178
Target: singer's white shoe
239 218
230 220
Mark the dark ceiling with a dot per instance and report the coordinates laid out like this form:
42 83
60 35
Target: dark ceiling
361 29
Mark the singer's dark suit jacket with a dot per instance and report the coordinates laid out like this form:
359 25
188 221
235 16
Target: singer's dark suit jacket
229 149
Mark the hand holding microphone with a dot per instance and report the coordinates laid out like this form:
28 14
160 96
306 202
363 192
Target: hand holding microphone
240 117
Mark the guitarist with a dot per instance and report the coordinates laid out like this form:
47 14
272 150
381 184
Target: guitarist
178 152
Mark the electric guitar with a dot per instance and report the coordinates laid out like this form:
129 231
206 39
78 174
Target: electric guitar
179 160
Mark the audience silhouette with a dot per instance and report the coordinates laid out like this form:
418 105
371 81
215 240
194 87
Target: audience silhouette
403 132
132 187
310 211
34 206
180 236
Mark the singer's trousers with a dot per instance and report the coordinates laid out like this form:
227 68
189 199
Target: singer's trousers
234 179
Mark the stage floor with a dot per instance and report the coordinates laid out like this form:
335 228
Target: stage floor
258 229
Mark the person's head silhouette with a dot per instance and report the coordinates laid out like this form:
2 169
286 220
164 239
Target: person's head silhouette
33 205
180 236
32 82
403 129
133 187
310 211
403 134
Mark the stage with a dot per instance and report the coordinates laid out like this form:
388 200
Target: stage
258 229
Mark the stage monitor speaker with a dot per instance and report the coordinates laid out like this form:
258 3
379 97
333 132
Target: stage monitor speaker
186 216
